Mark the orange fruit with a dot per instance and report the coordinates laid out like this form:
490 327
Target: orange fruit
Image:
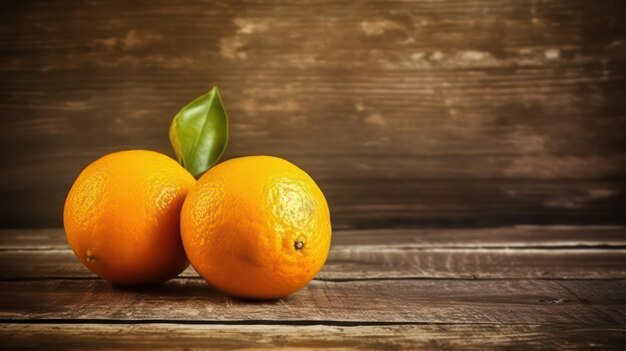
122 217
256 227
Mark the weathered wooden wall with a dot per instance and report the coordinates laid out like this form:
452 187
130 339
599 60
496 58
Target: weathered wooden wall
408 113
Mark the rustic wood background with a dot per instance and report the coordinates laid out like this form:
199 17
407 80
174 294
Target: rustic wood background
407 113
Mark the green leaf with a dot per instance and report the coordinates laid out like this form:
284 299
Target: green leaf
199 133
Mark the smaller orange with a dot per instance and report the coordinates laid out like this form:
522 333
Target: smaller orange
122 217
256 227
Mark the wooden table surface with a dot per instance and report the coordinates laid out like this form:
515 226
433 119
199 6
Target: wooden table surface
557 287
408 114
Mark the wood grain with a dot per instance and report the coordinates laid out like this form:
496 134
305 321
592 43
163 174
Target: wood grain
455 113
523 252
236 337
404 301
378 263
380 289
417 238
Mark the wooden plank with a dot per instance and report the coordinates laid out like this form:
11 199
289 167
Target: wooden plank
33 239
458 112
479 264
315 337
502 237
555 236
404 301
612 304
345 263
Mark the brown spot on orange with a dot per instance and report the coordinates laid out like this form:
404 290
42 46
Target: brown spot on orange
298 244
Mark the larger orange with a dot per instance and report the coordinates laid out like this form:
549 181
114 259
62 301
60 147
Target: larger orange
122 217
256 227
